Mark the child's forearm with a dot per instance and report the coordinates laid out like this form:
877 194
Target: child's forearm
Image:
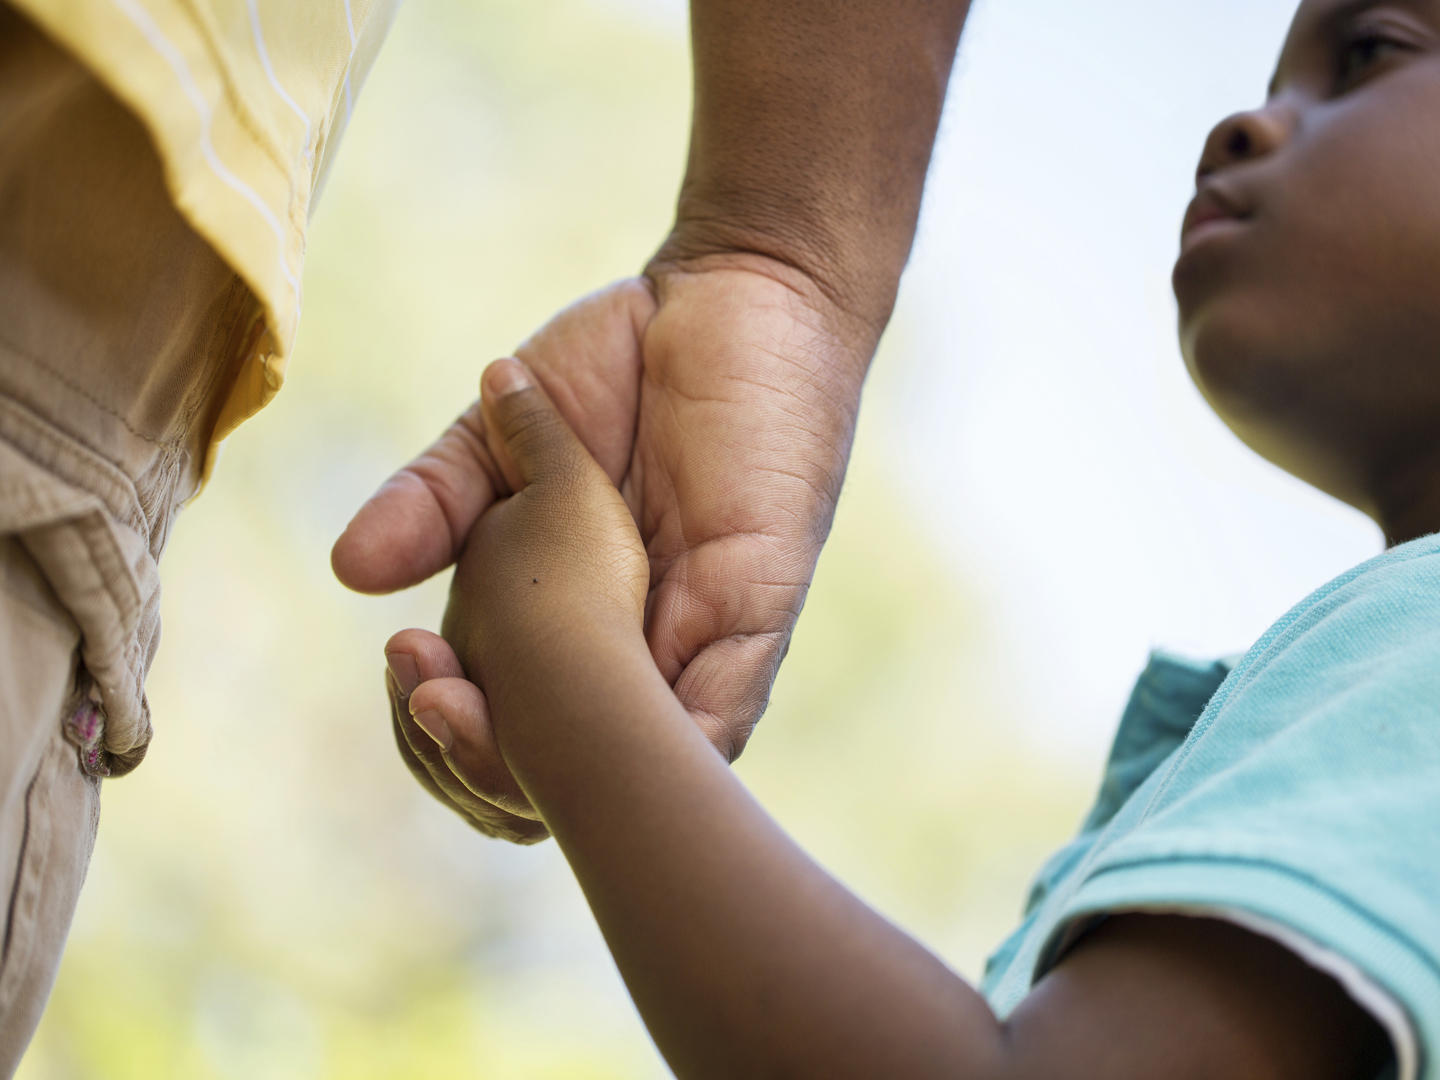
744 958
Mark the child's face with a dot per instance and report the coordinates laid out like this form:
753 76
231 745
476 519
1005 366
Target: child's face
1309 273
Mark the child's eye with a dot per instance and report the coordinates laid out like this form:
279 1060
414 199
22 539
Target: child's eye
1361 53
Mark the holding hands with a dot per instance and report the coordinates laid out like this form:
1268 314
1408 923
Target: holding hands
742 955
552 581
718 393
635 507
720 400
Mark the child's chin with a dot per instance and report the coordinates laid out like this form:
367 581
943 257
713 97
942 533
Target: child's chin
1225 349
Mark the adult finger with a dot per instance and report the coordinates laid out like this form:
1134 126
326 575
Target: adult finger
421 756
414 657
415 525
726 687
455 714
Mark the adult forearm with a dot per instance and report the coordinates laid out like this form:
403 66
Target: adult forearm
813 126
744 957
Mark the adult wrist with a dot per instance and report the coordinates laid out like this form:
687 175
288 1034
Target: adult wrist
852 307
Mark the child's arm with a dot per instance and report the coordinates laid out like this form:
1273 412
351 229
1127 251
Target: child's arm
744 957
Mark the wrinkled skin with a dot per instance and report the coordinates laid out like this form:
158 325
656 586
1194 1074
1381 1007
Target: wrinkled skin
720 390
721 399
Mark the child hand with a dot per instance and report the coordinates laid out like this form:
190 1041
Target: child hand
551 580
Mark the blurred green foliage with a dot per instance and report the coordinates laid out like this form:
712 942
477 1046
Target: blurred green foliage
272 898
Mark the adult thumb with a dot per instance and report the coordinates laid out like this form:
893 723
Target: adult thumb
529 437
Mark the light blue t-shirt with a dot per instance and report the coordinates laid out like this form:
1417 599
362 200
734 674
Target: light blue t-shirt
1298 794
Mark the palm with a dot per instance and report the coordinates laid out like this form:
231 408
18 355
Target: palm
724 412
743 432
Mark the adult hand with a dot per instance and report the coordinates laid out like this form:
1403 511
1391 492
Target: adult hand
720 395
720 392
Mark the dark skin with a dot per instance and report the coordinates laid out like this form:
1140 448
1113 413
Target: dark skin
1306 287
745 958
719 390
1308 313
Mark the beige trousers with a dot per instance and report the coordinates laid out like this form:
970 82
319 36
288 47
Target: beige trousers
120 332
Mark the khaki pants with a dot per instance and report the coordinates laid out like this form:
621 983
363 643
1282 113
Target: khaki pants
120 332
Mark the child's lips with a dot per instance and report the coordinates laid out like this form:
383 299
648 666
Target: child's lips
1209 214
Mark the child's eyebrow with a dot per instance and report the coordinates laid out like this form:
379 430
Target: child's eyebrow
1328 22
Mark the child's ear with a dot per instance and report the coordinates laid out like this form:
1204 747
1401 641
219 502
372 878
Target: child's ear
524 431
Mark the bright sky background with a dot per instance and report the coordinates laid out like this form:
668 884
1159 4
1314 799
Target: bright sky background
1049 425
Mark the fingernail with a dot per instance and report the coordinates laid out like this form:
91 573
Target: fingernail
404 671
433 724
507 376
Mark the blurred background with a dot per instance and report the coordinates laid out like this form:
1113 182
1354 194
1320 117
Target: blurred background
1038 497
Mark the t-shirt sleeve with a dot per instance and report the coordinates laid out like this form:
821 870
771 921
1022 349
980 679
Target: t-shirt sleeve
1307 797
1168 697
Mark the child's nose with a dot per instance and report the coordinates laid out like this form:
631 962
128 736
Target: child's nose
1244 137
